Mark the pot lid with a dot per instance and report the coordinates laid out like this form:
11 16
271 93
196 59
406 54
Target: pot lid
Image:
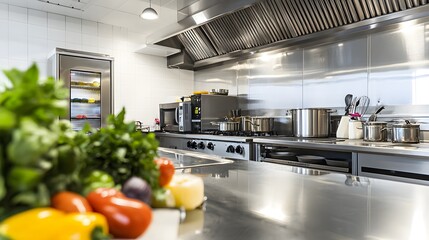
405 125
374 123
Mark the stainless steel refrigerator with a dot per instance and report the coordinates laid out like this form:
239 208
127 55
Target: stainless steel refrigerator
89 78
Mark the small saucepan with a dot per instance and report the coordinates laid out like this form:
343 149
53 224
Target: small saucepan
405 133
375 131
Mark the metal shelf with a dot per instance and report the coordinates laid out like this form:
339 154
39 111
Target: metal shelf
306 165
86 87
86 103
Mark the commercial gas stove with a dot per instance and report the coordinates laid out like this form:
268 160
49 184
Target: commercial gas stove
237 146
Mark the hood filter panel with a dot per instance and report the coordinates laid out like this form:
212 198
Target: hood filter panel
270 21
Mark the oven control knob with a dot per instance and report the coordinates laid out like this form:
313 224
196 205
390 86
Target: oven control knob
194 145
230 149
189 144
239 149
201 145
210 146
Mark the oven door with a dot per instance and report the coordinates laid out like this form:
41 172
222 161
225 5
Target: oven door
168 116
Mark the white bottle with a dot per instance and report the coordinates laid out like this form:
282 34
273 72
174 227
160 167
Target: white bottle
343 127
355 129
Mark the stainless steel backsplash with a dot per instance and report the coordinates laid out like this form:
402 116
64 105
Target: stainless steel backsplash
390 66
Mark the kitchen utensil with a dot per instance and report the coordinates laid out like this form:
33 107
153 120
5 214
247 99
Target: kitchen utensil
352 107
356 105
311 159
373 116
406 133
355 129
364 103
375 131
348 100
337 163
311 122
227 126
343 127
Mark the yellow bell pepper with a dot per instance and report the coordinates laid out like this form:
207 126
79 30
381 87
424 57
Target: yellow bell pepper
50 224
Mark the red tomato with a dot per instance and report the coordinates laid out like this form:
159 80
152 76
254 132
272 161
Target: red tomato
70 202
127 217
166 170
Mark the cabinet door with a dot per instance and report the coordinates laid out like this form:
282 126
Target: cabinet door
409 169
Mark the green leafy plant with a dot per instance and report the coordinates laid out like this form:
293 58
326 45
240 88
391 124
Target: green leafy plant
39 154
121 151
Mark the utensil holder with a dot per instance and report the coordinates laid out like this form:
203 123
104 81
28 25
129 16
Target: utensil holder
343 127
355 129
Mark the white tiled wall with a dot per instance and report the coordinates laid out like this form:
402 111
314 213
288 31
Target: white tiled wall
141 81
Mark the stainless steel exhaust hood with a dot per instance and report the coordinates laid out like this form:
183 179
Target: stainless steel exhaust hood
267 23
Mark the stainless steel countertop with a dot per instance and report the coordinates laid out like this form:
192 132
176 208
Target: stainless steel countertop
421 149
206 137
257 200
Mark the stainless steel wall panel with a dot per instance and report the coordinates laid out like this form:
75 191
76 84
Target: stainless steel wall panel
400 77
394 73
332 71
275 81
224 76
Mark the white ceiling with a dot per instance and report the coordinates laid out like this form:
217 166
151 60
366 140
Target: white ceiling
123 13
